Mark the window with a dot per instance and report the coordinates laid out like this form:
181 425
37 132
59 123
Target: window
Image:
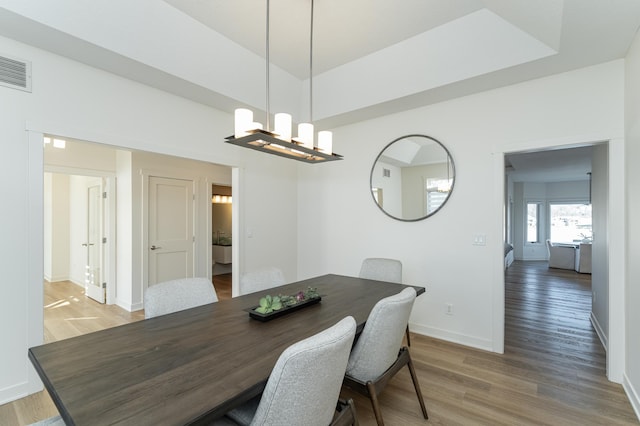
377 195
570 223
437 193
533 222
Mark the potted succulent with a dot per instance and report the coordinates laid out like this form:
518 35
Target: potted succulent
271 307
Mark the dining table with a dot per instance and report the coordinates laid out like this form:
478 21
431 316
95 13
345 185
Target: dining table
192 366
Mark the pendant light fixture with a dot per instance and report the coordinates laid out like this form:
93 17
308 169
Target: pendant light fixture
250 134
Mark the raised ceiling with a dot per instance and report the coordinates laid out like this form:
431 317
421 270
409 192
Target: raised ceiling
371 57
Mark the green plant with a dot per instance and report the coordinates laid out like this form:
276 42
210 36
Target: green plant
269 304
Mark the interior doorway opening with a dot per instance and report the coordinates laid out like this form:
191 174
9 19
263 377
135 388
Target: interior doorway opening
222 239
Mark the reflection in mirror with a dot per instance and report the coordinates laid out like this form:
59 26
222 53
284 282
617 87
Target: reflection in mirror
412 177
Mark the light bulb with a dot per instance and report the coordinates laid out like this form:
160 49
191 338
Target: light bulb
282 126
305 134
325 142
242 122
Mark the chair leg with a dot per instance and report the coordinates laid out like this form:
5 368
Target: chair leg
414 377
352 407
374 403
408 336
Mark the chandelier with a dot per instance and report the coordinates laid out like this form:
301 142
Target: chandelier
250 134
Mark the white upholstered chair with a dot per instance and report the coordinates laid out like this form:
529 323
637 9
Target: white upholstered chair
561 256
177 295
305 383
382 269
377 355
51 421
261 279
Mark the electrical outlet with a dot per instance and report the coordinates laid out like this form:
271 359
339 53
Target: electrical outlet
449 309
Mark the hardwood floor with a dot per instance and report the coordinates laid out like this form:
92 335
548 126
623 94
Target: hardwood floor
552 372
222 284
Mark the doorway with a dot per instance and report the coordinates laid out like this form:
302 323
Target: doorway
222 239
78 231
608 248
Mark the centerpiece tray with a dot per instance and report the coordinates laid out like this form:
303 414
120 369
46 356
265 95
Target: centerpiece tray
287 305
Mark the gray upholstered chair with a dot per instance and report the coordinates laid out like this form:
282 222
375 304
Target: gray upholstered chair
305 383
177 295
261 279
51 421
377 355
381 269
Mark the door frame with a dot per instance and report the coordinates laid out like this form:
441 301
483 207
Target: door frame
110 253
615 238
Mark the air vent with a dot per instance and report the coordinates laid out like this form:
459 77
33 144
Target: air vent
386 173
15 73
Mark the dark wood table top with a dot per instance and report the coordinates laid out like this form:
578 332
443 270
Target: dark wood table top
191 366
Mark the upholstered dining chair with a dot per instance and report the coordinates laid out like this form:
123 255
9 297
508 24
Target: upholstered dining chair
176 295
51 421
304 386
377 355
381 269
261 279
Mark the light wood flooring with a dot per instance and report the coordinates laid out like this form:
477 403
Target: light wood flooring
222 284
552 372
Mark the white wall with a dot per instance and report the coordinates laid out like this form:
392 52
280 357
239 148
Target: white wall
72 100
56 227
339 225
632 155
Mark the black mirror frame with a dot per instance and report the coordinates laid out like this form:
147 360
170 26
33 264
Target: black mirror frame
453 168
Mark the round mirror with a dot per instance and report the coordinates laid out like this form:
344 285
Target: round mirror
412 178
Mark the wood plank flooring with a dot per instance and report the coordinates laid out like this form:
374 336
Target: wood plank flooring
222 284
552 372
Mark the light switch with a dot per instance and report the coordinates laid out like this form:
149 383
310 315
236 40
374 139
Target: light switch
479 240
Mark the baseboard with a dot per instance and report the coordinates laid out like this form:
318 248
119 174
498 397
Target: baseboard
76 282
634 399
12 393
462 339
599 331
131 307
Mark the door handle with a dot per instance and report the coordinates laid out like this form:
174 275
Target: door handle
155 248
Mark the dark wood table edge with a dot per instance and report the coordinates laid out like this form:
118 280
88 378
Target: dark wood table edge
50 389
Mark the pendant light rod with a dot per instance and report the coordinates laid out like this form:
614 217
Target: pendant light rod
268 109
250 134
311 67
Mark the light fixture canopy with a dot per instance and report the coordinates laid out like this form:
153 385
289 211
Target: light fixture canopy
250 134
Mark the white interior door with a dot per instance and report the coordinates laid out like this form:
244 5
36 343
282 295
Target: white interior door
171 229
93 283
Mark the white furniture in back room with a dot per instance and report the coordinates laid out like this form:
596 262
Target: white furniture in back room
222 254
583 258
562 256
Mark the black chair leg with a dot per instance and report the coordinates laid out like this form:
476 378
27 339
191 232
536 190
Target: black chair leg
408 336
373 396
414 378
